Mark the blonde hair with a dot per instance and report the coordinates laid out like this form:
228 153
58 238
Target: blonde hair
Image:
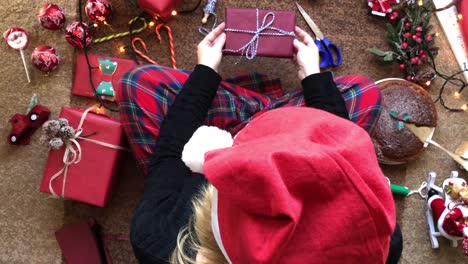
197 236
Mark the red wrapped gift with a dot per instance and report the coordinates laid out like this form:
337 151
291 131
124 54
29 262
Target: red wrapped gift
159 8
83 242
106 71
254 32
83 168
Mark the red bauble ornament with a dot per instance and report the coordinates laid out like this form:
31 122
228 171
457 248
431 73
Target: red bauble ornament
45 58
402 66
74 34
428 37
51 16
404 45
98 10
407 35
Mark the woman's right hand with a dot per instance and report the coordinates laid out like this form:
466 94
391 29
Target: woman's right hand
210 49
307 56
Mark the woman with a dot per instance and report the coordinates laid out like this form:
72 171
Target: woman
166 206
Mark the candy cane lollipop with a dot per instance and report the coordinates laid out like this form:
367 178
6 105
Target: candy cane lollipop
17 38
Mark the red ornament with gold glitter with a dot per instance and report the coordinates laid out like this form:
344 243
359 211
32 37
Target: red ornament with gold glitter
45 58
51 16
75 32
98 10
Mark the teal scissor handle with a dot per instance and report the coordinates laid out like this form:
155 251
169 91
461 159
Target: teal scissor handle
330 54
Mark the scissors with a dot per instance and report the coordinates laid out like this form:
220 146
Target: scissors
327 49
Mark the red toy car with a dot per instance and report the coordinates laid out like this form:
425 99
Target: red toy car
24 126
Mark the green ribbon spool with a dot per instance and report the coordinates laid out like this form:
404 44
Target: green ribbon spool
399 189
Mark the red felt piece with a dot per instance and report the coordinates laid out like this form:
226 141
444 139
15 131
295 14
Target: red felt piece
24 126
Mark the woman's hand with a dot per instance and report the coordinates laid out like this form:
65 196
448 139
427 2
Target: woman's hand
307 56
210 48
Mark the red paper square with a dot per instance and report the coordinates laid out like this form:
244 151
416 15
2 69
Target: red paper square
92 179
269 46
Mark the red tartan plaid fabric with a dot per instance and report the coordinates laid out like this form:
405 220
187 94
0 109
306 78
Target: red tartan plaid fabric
147 92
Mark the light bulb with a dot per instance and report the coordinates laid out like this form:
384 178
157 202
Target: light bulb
420 3
456 95
151 24
460 16
428 83
174 13
99 110
464 107
121 49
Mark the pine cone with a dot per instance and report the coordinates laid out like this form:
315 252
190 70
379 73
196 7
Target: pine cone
63 122
56 143
66 132
51 128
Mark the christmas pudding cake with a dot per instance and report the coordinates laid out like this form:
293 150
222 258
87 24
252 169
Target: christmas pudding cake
402 101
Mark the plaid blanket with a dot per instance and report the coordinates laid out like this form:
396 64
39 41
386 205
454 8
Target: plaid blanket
148 91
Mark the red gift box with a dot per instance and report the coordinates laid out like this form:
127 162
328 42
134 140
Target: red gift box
106 72
91 180
159 8
275 29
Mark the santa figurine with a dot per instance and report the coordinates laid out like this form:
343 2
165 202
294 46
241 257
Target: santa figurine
381 7
447 210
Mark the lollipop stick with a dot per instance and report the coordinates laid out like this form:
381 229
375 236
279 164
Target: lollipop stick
25 66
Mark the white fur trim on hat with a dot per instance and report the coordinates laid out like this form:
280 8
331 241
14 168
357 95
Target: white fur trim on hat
205 138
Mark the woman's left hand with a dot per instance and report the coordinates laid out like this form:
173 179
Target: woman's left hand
210 49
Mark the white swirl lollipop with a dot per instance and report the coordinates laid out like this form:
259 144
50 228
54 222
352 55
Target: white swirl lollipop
17 38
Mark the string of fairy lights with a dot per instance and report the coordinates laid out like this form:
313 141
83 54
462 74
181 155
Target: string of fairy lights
453 79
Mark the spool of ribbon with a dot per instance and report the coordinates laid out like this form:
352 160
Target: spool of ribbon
250 49
171 42
400 119
72 154
208 10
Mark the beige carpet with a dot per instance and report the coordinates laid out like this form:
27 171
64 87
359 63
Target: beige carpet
28 218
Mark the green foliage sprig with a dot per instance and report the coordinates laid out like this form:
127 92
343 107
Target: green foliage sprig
409 34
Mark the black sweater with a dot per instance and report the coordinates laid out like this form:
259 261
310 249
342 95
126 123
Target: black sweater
165 207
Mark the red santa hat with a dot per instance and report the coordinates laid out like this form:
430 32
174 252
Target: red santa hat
300 185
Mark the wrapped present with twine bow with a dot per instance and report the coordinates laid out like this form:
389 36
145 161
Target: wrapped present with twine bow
85 150
255 32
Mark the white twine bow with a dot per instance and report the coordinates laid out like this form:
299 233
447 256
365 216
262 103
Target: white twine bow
250 49
72 154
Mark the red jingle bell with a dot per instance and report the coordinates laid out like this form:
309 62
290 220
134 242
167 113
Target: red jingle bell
98 10
74 34
45 58
51 16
